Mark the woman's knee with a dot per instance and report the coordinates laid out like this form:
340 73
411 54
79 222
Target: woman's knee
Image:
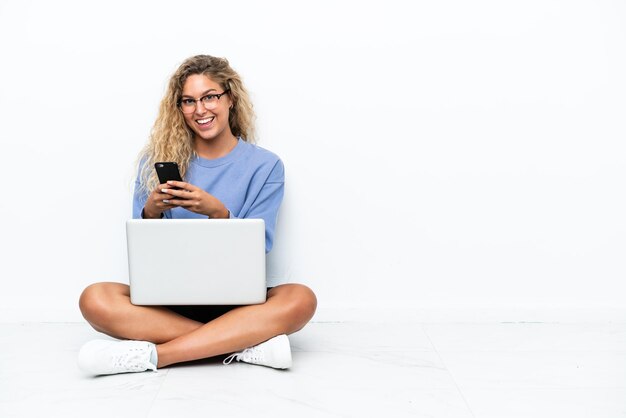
308 301
301 304
96 301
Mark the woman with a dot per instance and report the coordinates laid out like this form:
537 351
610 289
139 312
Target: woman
204 124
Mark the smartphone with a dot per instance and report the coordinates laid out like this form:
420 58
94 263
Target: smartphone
167 171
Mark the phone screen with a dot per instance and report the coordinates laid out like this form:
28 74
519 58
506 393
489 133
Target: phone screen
167 171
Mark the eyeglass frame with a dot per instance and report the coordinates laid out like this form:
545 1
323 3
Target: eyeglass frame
179 103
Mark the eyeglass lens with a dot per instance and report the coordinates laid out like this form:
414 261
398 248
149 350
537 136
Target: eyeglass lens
209 102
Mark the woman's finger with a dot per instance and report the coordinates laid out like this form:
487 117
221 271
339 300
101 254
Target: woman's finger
181 185
176 193
180 202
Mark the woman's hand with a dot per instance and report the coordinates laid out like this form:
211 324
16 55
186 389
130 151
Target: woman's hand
156 203
192 198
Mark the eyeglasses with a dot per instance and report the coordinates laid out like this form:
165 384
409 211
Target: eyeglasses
188 105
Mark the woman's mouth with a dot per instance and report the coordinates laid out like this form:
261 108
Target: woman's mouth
206 121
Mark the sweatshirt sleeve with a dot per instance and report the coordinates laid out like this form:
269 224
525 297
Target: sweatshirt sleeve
267 202
139 199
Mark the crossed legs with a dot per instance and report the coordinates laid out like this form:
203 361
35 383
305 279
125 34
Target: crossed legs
106 306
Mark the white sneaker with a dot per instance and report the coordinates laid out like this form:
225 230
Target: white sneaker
111 357
274 352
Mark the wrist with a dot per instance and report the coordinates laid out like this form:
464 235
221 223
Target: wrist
221 213
149 215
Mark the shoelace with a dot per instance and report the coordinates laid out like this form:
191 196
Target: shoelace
131 360
249 355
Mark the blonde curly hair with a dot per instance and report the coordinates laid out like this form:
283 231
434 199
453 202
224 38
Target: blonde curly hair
171 139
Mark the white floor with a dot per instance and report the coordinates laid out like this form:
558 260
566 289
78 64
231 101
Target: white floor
340 370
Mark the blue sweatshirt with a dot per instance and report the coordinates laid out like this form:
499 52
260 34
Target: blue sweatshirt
249 181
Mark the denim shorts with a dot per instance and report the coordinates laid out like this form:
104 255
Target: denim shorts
203 313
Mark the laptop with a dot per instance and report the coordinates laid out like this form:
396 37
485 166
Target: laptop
196 261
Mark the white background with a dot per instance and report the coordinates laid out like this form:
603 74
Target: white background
444 159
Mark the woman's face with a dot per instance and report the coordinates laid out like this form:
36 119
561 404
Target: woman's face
207 124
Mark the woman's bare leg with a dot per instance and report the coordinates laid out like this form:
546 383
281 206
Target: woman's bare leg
287 309
107 308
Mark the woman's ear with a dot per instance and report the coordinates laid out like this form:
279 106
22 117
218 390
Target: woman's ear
230 96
